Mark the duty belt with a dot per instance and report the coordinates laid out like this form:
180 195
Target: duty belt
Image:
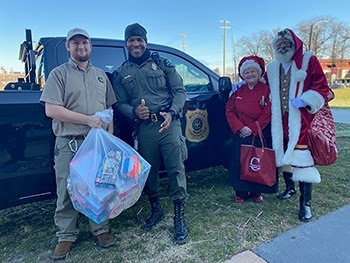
154 117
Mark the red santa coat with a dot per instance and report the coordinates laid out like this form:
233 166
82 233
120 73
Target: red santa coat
314 90
246 106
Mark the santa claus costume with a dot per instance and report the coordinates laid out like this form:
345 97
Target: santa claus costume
248 105
299 89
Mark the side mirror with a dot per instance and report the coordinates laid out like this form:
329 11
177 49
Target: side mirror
224 84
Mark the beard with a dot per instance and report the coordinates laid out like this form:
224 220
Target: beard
82 58
284 56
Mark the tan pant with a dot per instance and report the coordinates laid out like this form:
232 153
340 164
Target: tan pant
66 216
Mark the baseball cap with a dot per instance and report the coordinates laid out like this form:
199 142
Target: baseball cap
77 31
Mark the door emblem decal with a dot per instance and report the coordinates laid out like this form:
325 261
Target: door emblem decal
197 127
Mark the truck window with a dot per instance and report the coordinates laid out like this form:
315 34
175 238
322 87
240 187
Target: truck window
107 58
194 78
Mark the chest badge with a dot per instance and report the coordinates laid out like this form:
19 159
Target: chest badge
153 66
262 102
197 127
100 79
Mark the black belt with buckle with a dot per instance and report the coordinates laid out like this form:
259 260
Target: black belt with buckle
154 117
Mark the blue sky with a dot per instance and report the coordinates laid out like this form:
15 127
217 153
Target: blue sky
164 20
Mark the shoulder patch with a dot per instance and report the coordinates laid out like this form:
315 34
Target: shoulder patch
168 63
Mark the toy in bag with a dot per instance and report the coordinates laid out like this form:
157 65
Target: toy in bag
106 176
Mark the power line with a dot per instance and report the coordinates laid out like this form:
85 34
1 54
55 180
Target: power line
224 44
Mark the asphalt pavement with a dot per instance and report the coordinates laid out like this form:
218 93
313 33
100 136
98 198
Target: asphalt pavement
325 240
341 115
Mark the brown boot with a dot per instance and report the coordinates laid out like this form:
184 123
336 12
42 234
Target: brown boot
105 240
62 249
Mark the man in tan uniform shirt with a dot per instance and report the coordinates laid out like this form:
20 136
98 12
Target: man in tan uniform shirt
73 93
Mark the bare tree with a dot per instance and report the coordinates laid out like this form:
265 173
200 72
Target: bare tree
258 44
316 34
217 70
249 45
325 36
344 48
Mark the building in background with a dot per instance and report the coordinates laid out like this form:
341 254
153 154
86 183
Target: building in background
9 76
336 70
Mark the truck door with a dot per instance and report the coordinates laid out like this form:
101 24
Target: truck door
203 121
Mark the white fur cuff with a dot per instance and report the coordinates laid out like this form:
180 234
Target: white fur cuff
302 158
313 99
300 75
307 175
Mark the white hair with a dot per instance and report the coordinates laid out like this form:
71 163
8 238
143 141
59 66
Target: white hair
250 63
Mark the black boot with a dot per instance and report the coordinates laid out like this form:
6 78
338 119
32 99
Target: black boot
156 216
305 201
180 229
290 188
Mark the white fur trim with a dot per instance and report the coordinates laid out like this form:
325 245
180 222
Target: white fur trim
307 175
302 158
294 120
276 118
313 99
249 64
300 75
306 58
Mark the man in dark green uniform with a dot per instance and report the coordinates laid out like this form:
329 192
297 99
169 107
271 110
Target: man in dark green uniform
149 89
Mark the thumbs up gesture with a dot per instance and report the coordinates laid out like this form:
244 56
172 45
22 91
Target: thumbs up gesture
142 110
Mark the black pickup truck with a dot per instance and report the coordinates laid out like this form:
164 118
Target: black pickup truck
26 139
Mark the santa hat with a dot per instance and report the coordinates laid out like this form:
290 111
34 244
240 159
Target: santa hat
255 62
298 54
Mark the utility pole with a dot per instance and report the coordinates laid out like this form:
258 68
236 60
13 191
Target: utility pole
234 60
183 41
224 44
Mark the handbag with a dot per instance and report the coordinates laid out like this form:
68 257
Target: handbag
258 165
321 137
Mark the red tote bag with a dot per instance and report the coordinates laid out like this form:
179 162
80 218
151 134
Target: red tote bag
258 165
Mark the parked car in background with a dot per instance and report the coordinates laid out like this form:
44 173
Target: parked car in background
345 82
337 86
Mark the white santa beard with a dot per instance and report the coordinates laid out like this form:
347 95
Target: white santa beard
284 57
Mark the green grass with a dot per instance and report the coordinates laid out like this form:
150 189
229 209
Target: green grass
342 98
219 228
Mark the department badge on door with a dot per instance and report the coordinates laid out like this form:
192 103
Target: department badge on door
197 127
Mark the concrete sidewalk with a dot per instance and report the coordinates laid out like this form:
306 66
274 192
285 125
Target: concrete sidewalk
320 241
341 115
